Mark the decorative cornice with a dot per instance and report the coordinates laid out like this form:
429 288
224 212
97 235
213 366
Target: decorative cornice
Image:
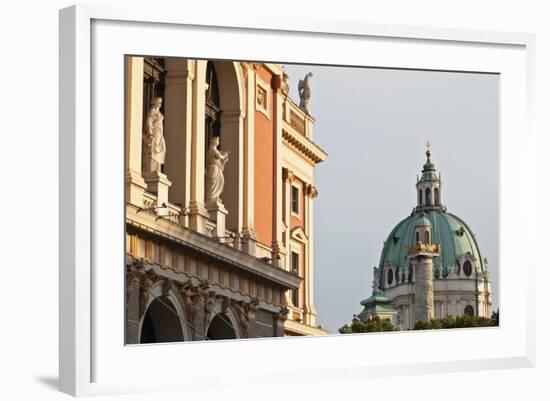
306 148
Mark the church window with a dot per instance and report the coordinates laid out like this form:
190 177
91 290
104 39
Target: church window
295 200
417 237
436 196
469 310
467 268
426 237
390 276
419 197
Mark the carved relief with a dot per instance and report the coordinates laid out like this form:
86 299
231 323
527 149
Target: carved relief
147 281
209 302
191 300
133 275
244 320
226 303
288 175
284 85
312 191
167 285
283 314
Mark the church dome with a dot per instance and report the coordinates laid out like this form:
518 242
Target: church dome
456 239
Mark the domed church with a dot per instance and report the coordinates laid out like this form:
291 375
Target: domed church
431 264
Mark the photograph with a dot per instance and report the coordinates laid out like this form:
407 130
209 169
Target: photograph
272 199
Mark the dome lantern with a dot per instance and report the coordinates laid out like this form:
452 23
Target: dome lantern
428 187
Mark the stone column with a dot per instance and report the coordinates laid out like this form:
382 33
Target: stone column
198 214
178 110
249 235
310 316
135 185
423 288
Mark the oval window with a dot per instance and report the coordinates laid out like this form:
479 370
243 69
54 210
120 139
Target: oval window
390 277
467 268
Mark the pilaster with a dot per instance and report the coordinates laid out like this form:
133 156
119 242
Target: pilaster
278 171
178 126
248 232
197 211
135 185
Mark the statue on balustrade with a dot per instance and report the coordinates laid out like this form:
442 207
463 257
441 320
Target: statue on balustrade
304 90
215 163
154 146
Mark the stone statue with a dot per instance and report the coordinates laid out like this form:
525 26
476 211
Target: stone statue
304 89
153 140
215 163
244 320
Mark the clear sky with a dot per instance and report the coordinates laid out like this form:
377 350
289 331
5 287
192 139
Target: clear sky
374 124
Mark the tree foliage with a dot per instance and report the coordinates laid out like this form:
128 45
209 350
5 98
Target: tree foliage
451 322
370 326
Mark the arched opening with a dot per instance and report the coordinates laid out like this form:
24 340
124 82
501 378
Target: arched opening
390 276
212 109
225 118
161 323
467 268
436 196
428 197
469 310
426 237
419 197
417 237
221 328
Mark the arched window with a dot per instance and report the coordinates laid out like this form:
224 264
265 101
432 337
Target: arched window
469 310
436 196
390 276
428 197
467 268
426 237
419 197
417 237
212 108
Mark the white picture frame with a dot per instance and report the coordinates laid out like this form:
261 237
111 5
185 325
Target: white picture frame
94 360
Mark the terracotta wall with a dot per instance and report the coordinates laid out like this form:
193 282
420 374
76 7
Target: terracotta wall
264 172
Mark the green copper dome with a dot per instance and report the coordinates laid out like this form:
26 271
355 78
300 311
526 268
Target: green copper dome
450 231
423 221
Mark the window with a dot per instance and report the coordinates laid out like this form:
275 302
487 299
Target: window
419 197
428 197
390 276
436 196
426 237
295 200
295 267
417 237
467 268
212 108
469 310
295 262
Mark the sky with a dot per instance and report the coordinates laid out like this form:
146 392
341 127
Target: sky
374 125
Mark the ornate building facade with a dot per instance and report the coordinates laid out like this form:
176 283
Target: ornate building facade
219 201
431 264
